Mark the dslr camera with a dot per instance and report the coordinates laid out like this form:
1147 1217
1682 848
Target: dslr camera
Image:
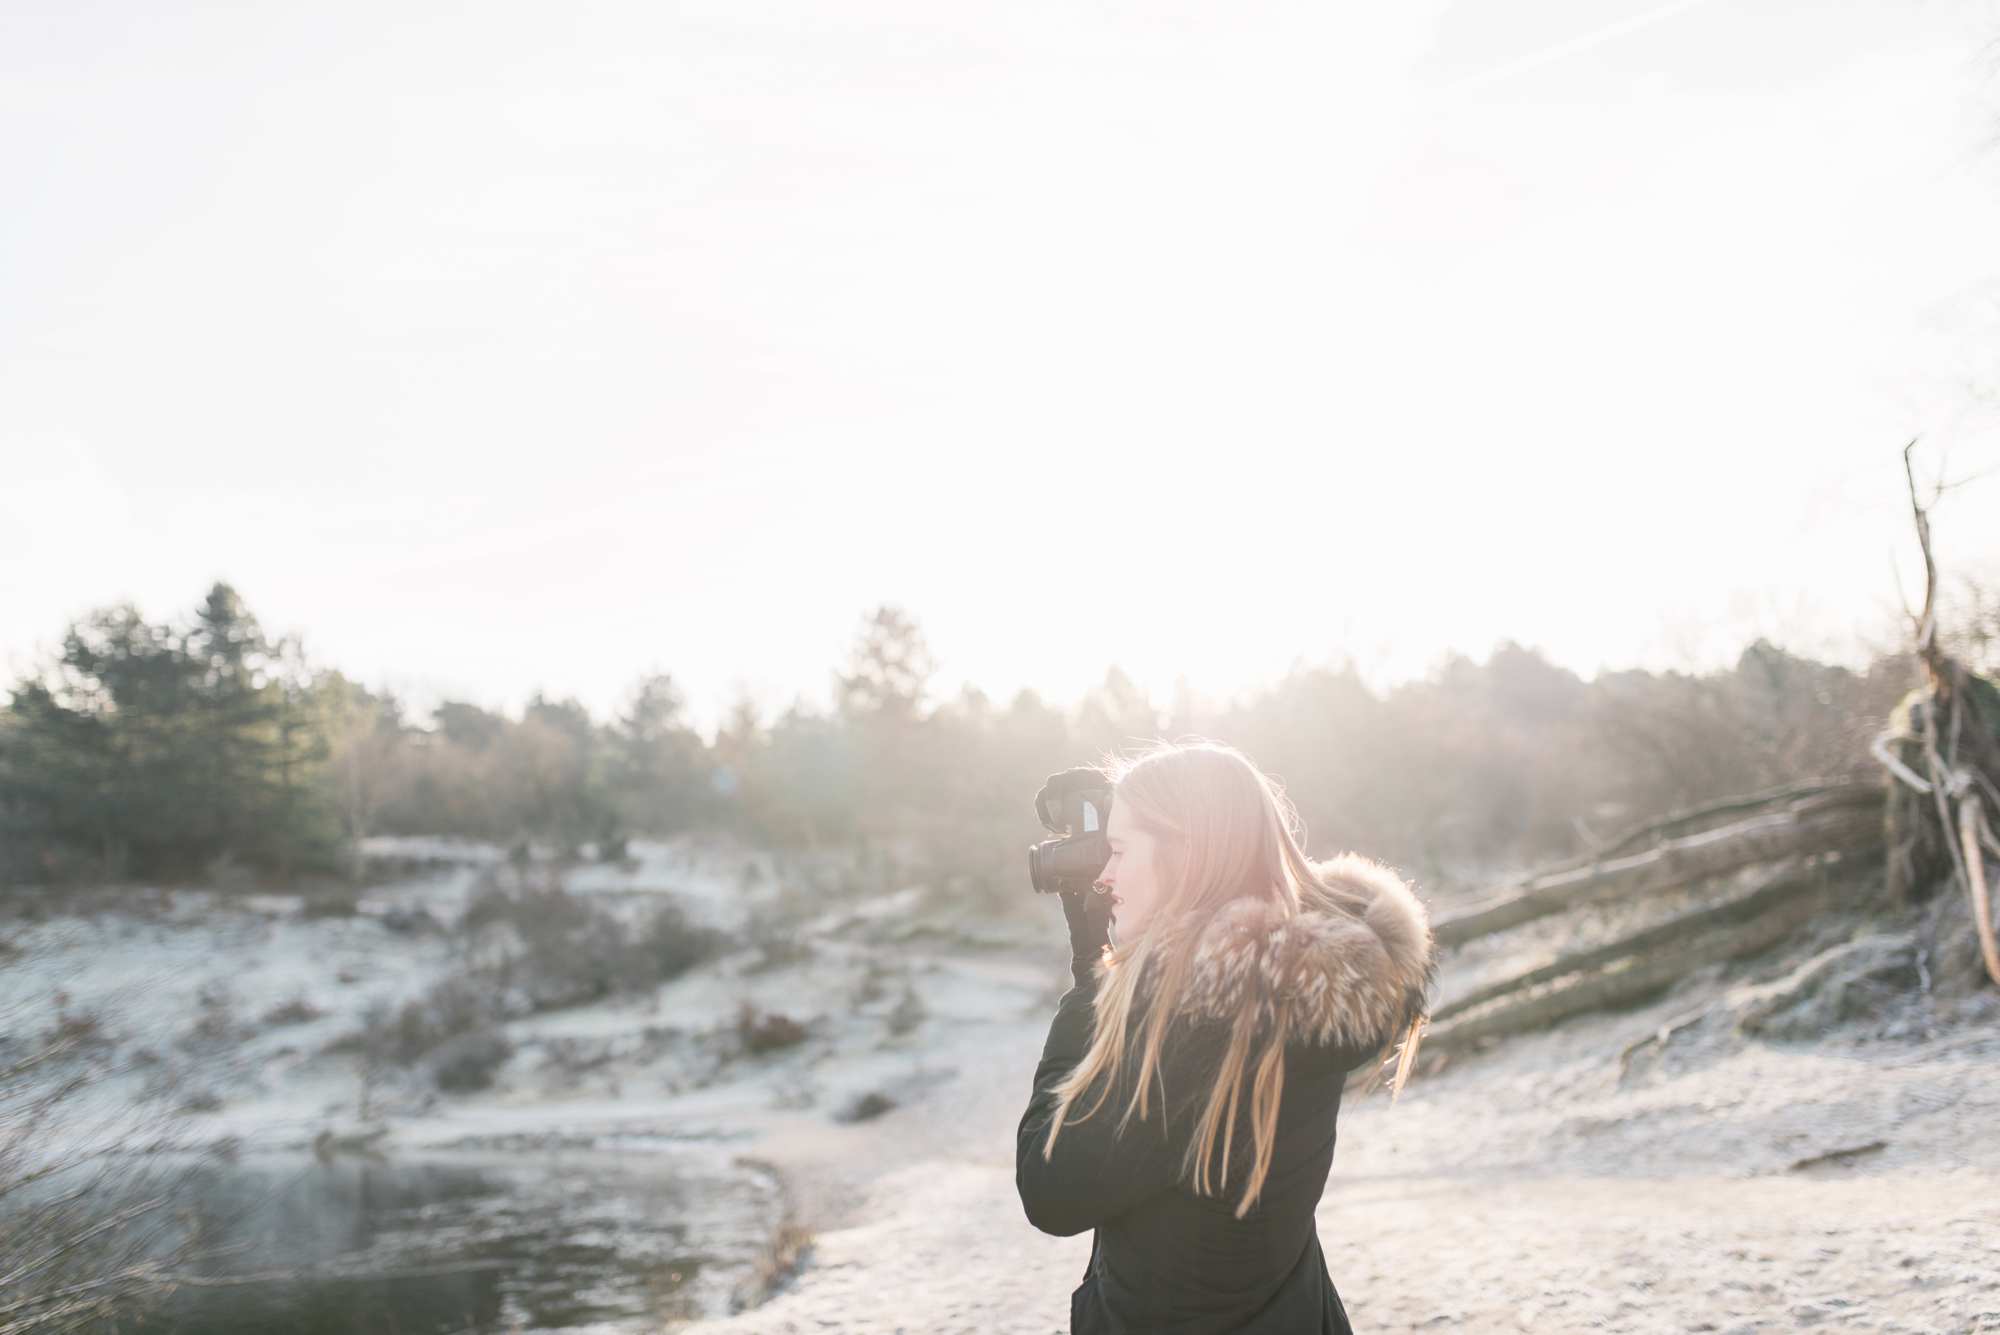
1076 805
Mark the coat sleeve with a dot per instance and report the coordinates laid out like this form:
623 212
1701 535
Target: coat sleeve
1095 1173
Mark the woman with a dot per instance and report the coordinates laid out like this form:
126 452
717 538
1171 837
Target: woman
1184 1105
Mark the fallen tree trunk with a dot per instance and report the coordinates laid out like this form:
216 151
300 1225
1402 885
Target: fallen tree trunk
1636 973
1782 884
1839 820
1687 821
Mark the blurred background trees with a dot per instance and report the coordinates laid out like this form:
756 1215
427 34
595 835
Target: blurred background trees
180 749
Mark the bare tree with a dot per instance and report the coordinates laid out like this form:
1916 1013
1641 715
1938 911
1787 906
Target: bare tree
1943 746
365 733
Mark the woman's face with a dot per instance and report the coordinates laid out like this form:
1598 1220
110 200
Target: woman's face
1135 889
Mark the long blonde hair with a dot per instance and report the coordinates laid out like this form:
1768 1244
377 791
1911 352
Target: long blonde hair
1222 830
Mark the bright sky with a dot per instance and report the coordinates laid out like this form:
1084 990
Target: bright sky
506 347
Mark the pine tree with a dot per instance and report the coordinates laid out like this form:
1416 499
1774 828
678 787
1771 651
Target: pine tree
657 765
882 696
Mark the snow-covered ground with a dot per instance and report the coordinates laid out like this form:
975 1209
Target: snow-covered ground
233 1018
231 1003
1722 1185
1713 1182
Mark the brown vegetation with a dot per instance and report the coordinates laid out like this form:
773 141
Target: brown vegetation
766 1031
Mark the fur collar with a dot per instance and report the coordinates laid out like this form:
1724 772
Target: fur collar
1347 982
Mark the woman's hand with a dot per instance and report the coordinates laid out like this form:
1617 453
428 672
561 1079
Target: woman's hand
1088 913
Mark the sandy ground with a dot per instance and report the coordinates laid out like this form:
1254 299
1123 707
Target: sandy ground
1537 1188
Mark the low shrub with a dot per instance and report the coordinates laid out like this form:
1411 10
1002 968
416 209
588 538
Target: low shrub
75 1029
467 1062
869 1106
296 1011
671 945
870 988
459 1004
568 950
215 1019
767 1031
910 1011
332 901
777 940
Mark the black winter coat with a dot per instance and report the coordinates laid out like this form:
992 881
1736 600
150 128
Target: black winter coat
1165 1259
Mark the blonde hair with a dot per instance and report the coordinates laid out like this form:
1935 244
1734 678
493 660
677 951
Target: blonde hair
1222 830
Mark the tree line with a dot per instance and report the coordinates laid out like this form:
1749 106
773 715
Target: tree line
167 750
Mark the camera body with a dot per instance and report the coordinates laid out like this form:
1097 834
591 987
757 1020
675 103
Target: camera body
1076 805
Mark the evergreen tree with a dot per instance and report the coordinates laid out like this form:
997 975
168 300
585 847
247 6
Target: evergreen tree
554 758
882 695
888 671
160 750
657 768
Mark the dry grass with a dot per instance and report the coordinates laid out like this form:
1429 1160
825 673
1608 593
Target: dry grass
785 1252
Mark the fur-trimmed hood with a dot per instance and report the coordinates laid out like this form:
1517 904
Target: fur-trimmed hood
1348 983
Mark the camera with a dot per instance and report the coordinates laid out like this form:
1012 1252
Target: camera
1075 804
